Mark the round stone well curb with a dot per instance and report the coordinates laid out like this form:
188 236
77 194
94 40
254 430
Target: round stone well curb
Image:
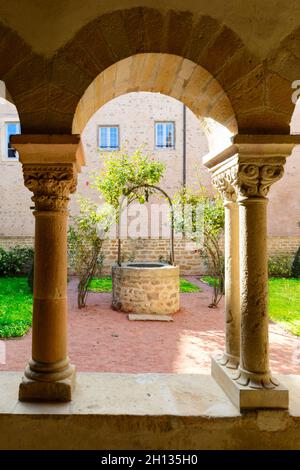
146 288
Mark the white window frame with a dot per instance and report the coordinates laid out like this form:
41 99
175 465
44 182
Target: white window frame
108 149
4 141
164 135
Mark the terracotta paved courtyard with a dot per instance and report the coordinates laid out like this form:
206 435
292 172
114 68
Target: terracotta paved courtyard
101 339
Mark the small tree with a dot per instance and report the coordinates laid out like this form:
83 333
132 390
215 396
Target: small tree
86 236
120 178
127 178
200 218
122 172
296 264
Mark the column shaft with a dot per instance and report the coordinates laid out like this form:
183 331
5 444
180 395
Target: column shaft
49 327
223 182
232 298
254 360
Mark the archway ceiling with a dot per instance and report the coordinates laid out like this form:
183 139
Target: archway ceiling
46 83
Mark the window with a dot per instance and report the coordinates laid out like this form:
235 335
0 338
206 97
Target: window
11 128
164 135
108 137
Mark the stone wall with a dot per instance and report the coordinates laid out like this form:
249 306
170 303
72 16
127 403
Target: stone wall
186 255
11 242
136 113
146 290
145 411
283 245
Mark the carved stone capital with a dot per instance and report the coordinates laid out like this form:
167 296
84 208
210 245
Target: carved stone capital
245 177
50 167
223 182
254 179
251 164
51 185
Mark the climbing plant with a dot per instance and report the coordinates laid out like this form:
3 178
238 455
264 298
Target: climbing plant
123 175
86 235
199 217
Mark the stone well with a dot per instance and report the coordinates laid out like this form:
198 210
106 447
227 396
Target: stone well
146 288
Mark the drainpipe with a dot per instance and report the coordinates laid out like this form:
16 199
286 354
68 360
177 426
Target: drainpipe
184 146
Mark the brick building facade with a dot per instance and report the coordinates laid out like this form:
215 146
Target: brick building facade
136 116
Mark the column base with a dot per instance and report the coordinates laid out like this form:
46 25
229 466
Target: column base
244 397
231 362
59 391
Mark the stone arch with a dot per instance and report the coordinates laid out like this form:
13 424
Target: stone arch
13 51
127 33
164 73
46 90
281 70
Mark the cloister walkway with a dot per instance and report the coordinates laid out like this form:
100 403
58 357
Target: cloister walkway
103 340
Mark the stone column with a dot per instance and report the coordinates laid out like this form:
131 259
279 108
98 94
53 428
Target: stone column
254 179
248 168
231 356
50 166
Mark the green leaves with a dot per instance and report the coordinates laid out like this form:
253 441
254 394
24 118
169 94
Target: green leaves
123 176
206 232
123 172
16 261
280 265
296 265
198 214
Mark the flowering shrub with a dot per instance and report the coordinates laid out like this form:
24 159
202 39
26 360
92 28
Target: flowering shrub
86 236
200 218
15 262
295 272
121 177
280 265
122 172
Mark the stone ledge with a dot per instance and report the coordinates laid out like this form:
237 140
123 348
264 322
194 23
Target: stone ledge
144 411
249 398
127 394
150 317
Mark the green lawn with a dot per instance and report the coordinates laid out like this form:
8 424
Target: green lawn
104 284
16 302
15 307
209 280
187 286
284 303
